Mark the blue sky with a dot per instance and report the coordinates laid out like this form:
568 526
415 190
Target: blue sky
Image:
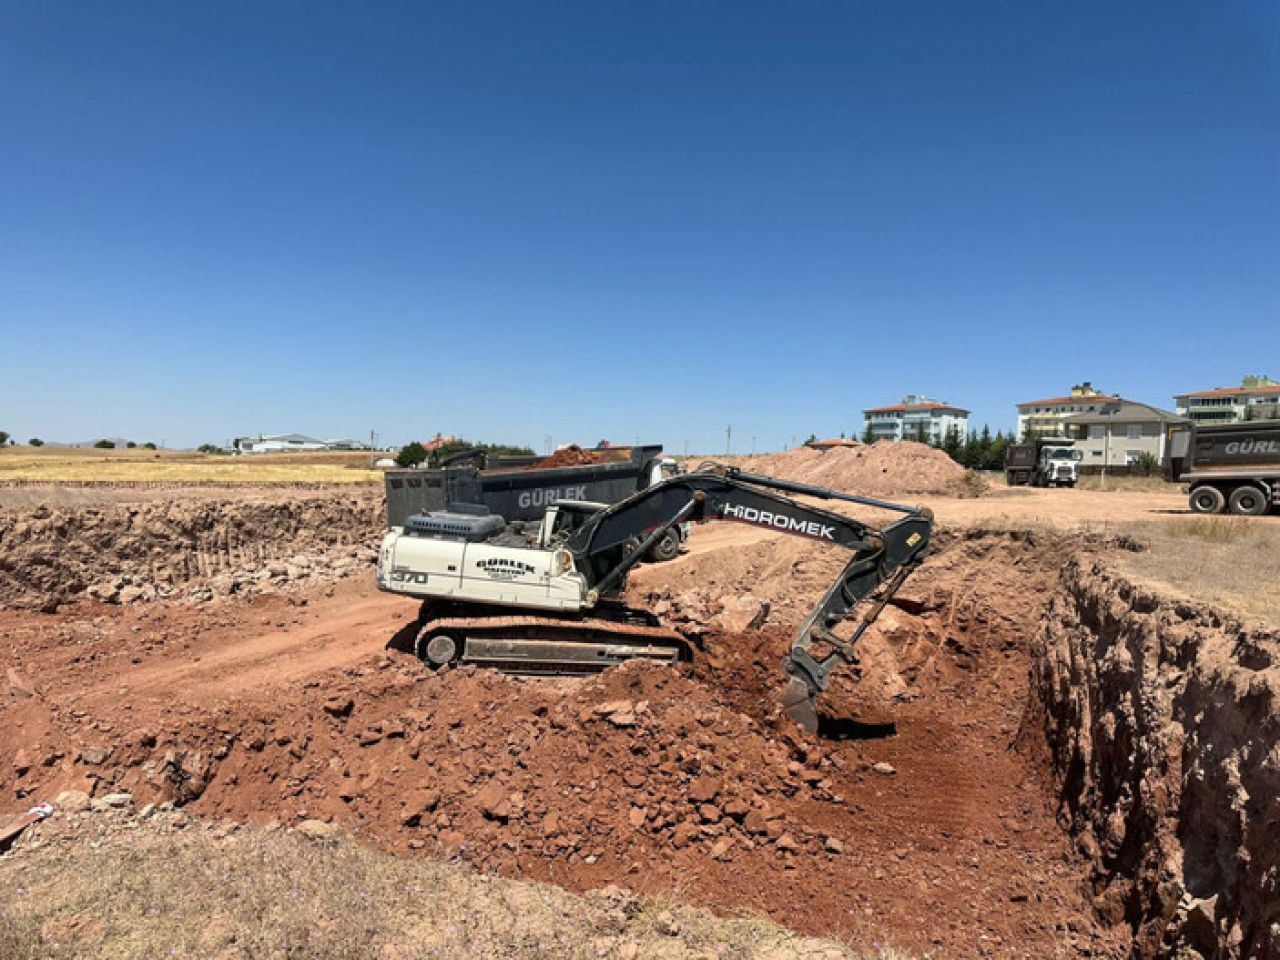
587 220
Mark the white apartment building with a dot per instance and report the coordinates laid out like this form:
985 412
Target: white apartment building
1257 398
915 418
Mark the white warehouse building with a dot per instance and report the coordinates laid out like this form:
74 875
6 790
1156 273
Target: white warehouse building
915 418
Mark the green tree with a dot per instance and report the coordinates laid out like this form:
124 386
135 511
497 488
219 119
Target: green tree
411 454
984 446
105 445
812 438
1248 412
149 445
130 445
995 455
920 435
209 448
4 438
969 453
868 435
952 443
1028 433
35 442
1144 464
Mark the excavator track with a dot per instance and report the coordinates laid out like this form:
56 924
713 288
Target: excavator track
545 645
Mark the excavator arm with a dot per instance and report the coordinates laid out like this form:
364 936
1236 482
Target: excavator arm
614 540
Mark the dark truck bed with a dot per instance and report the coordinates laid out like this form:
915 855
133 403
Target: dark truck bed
1240 461
518 494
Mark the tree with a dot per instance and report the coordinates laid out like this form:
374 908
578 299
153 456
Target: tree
813 438
149 445
1144 464
209 448
35 442
130 445
995 455
920 435
411 454
970 453
1248 413
951 443
868 435
4 438
105 445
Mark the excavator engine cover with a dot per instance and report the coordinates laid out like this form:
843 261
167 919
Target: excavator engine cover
452 525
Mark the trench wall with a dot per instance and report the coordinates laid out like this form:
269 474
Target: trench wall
1163 726
54 555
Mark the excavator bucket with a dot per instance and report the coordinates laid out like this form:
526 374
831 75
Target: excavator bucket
798 703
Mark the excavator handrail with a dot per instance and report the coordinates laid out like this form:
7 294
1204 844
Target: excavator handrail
881 558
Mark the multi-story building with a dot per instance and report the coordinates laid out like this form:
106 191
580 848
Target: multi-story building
1257 398
915 418
1043 418
1119 432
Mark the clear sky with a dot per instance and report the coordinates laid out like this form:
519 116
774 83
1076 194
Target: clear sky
601 219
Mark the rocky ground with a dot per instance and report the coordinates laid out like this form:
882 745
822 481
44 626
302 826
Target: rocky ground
928 815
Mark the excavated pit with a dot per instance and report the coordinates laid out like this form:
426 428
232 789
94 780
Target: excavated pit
951 808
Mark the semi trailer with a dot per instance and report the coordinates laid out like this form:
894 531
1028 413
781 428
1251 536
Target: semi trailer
1229 466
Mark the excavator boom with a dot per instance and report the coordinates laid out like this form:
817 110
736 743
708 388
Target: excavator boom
615 540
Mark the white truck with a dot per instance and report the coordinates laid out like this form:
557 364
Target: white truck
1044 462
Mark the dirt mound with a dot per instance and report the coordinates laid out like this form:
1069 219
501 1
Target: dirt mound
1163 725
570 456
124 552
878 469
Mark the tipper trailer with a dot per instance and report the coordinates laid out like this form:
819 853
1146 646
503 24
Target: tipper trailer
1229 466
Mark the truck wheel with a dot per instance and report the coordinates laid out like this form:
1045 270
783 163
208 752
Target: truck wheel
667 548
1248 501
1207 500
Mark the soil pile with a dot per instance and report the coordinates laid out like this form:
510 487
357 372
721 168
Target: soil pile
570 456
1163 722
879 469
202 548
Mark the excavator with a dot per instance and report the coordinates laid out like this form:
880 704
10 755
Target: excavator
551 601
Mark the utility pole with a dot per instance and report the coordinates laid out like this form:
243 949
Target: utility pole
728 440
546 444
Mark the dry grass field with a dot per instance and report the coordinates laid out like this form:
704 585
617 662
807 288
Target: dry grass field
1233 562
81 465
138 889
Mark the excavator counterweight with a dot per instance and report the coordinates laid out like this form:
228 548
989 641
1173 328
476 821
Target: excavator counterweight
554 605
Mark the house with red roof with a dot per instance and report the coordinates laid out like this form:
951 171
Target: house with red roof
915 418
1257 398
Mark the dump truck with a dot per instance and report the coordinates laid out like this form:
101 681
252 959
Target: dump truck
1043 462
517 489
1228 466
556 605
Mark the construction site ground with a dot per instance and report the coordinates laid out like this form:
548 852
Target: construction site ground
925 818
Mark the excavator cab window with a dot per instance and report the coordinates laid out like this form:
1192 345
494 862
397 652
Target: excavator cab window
570 515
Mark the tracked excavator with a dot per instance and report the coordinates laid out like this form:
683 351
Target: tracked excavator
552 603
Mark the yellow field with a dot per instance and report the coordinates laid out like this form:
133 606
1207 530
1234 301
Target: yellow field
114 466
